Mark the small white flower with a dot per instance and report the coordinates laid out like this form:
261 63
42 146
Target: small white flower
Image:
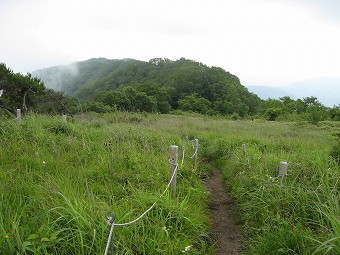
44 162
187 248
165 230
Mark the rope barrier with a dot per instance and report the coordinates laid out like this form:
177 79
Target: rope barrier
112 218
183 149
194 152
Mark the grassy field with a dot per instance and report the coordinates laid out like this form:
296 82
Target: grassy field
299 215
58 180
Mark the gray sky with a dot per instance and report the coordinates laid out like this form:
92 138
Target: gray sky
263 42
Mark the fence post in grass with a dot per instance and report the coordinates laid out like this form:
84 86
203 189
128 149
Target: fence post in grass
244 149
196 152
283 170
64 118
173 166
18 116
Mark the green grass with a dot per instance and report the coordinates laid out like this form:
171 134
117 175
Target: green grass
298 216
58 180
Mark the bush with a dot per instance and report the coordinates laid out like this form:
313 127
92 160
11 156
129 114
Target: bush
335 152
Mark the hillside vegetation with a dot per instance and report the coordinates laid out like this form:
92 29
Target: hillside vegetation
163 86
58 180
159 85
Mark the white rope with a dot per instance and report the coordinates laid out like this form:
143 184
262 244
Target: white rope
150 208
111 219
194 152
183 149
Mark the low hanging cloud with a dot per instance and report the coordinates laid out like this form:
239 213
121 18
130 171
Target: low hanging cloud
54 77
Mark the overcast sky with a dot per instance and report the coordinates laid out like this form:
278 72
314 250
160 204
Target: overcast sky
263 42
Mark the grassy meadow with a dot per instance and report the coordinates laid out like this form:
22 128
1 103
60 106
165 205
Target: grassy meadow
58 180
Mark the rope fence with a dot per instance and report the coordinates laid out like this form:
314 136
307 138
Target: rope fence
195 147
111 216
18 119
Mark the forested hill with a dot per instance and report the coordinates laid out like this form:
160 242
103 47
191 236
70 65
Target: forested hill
158 85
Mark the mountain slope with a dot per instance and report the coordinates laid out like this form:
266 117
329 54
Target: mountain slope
70 78
188 84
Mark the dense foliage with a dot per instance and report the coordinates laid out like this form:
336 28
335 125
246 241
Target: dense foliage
159 85
27 92
65 176
309 109
163 85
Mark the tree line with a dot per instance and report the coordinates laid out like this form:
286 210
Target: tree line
158 86
28 93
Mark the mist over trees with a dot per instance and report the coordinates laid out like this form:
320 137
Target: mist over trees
158 86
28 93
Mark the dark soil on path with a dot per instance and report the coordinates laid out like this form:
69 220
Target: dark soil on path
225 228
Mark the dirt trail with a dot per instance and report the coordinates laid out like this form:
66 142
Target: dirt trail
225 229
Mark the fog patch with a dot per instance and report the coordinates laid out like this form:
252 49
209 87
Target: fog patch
56 77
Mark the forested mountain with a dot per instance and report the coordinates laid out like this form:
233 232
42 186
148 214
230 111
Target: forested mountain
159 85
28 93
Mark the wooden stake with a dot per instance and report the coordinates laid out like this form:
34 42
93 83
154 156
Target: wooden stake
18 116
173 166
64 118
196 152
283 170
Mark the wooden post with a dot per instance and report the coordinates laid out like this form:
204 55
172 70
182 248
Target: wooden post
283 170
18 116
244 148
196 152
64 118
173 166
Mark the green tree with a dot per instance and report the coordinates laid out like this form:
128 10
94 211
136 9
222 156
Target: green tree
312 101
160 94
18 90
289 104
54 102
335 113
195 103
273 109
315 111
145 103
272 113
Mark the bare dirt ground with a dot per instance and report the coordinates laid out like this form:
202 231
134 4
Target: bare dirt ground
225 228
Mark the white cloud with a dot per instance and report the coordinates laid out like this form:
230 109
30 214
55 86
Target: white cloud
262 42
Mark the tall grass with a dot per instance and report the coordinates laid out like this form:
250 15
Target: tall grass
298 216
58 180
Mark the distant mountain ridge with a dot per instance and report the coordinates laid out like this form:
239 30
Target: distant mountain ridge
327 90
163 84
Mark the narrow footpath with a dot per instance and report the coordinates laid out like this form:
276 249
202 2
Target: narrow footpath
225 229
